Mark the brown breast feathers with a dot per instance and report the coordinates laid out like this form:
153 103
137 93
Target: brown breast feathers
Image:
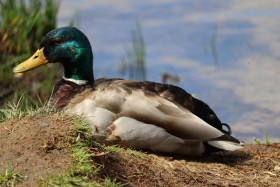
64 91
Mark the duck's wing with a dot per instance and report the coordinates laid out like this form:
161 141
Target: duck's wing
174 94
114 99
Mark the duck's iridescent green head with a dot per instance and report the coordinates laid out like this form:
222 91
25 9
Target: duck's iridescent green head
67 45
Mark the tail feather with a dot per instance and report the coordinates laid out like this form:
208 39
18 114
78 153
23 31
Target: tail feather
226 145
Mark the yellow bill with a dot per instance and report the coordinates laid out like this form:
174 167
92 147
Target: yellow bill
34 61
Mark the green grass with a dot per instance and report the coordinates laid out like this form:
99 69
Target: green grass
23 106
128 151
23 24
257 141
10 177
134 64
111 183
83 168
266 139
19 33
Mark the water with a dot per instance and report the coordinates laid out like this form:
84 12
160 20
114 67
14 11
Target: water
242 87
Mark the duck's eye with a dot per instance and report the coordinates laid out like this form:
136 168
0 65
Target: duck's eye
58 41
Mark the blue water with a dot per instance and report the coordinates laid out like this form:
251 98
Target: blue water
243 89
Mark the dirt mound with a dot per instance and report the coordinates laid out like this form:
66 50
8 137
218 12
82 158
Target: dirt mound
37 145
41 145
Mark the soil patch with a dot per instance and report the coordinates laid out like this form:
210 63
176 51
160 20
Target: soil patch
41 145
37 145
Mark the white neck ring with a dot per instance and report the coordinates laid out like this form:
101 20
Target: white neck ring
79 82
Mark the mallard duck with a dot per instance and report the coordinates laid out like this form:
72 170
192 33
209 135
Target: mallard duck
141 115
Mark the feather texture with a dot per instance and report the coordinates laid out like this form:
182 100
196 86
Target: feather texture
132 117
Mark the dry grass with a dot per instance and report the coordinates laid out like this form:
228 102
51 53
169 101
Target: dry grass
38 149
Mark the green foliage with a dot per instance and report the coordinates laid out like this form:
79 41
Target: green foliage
134 64
267 138
83 168
75 20
129 151
111 183
24 105
23 24
257 141
9 177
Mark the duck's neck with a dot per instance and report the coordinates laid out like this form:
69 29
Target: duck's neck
80 69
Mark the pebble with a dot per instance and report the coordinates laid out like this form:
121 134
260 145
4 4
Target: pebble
277 168
43 124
